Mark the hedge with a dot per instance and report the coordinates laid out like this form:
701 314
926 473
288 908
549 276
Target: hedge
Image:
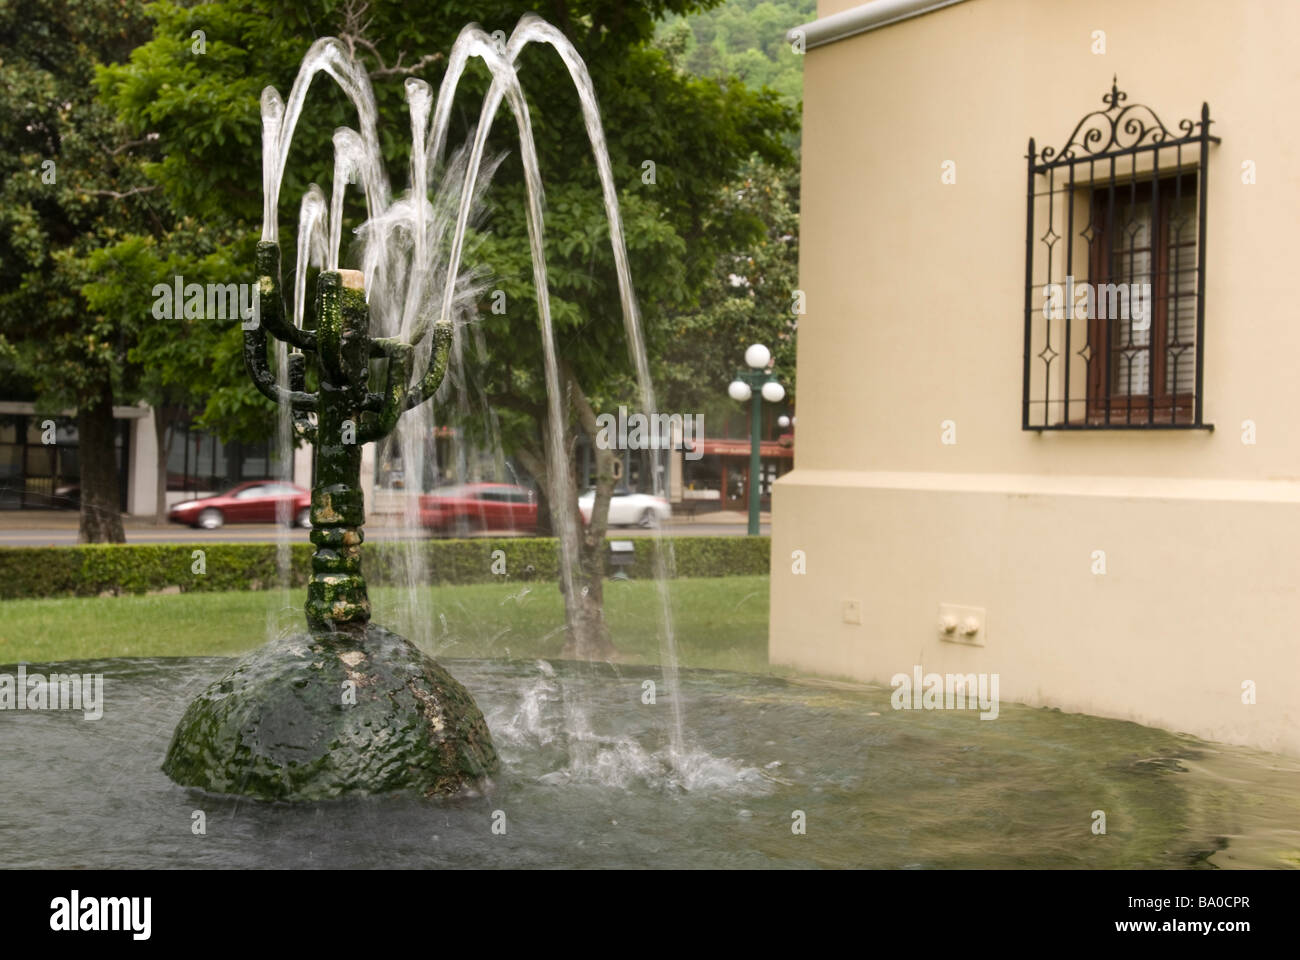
99 569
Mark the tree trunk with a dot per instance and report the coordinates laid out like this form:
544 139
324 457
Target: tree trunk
588 634
533 463
101 513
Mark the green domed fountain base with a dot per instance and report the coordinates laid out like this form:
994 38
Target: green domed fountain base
312 717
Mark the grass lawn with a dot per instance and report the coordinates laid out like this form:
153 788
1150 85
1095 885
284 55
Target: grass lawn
720 622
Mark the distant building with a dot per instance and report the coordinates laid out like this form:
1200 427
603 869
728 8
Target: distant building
36 475
39 456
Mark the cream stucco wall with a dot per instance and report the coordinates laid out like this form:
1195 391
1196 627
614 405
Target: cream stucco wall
915 316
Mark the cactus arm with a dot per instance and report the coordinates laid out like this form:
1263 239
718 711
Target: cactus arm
271 300
270 316
264 379
375 426
383 348
304 431
303 428
428 384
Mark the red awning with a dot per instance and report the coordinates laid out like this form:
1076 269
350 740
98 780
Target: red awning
740 448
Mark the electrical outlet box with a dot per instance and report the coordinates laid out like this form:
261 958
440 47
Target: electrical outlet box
961 624
852 611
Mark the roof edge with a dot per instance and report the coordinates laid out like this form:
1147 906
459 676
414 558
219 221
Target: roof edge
860 19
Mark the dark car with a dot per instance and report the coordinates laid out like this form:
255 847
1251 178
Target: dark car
470 507
257 501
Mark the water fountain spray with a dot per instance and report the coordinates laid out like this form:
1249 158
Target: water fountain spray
351 707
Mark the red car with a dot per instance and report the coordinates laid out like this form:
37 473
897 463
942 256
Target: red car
470 507
257 501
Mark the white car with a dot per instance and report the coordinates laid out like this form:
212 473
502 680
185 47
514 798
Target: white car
626 508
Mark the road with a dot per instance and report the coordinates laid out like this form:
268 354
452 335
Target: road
30 532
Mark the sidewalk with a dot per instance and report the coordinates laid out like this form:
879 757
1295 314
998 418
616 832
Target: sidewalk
719 516
70 519
58 520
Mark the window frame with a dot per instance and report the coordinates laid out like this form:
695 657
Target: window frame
1119 134
1102 403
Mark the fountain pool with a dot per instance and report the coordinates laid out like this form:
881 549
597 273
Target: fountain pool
597 787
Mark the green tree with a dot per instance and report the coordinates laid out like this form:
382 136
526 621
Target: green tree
744 39
695 133
750 297
180 364
71 183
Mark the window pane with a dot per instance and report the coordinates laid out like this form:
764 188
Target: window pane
40 461
254 464
1130 268
177 438
1180 362
11 462
222 476
69 464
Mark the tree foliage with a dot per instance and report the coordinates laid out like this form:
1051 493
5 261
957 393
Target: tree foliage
745 39
750 297
697 132
72 185
675 141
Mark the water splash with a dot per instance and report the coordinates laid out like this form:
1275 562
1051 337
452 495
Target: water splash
313 227
348 156
543 722
412 252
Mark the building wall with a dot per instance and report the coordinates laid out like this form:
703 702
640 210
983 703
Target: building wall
142 470
915 316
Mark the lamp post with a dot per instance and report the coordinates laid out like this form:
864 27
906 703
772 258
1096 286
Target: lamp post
743 388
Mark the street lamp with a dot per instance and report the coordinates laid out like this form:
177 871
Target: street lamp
757 357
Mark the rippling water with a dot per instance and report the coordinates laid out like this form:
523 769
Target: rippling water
585 782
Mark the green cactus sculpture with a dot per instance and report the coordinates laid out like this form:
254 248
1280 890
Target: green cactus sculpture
349 707
347 416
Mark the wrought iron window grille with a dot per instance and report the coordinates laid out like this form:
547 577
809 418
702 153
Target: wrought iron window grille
1115 273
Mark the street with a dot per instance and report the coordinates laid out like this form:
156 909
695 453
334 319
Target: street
59 528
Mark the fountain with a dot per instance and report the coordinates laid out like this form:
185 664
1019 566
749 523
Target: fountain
350 707
586 773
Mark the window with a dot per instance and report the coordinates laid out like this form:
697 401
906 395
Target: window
1115 273
34 474
198 464
1145 371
